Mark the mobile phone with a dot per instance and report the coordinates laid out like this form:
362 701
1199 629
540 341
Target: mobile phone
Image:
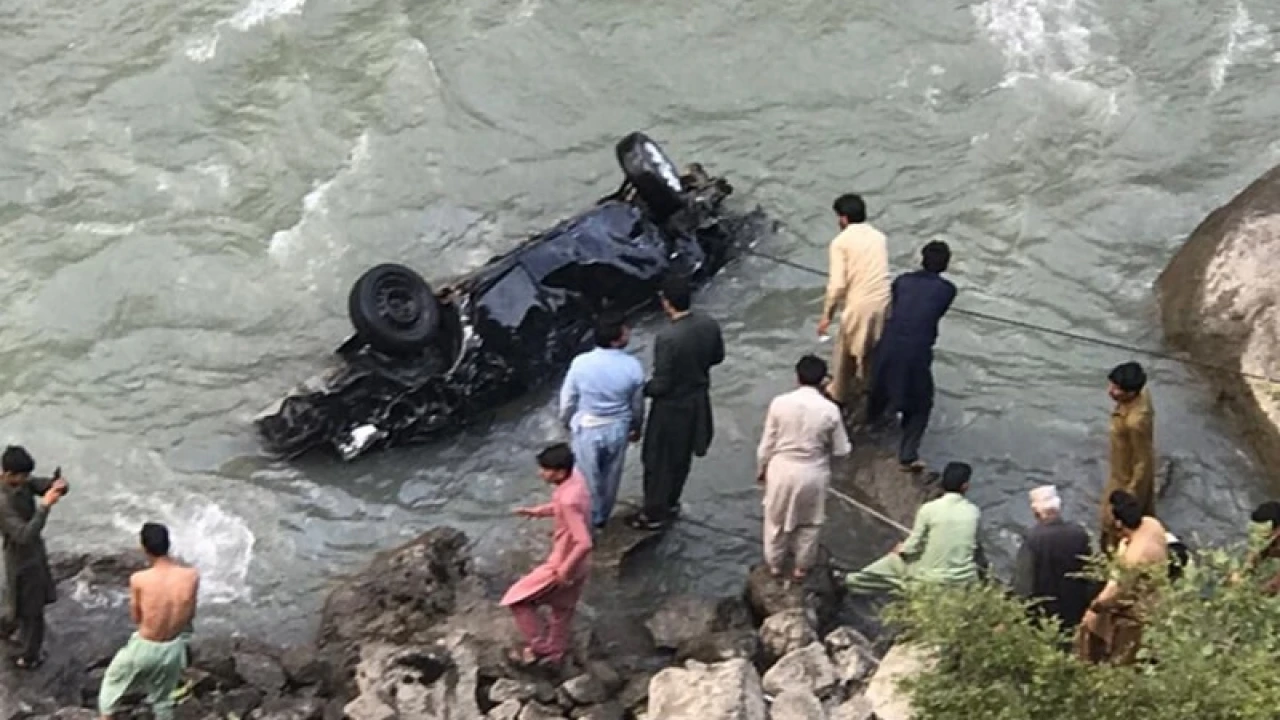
57 473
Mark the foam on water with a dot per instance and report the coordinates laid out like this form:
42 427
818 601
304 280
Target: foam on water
1244 36
1038 38
257 12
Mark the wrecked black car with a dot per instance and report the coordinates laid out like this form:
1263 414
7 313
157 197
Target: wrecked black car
424 362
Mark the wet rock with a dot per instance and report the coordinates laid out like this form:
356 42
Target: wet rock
290 709
607 676
539 711
797 705
603 711
585 689
260 671
818 595
682 619
216 656
1219 303
720 646
887 701
855 708
508 710
729 691
506 689
635 692
786 631
851 655
303 666
238 702
808 668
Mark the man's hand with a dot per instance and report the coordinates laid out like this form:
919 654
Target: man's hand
896 549
1090 620
526 512
56 490
760 479
823 325
634 436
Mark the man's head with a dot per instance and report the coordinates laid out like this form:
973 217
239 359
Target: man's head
811 371
1125 381
955 477
17 464
676 295
555 463
849 209
935 256
1267 513
155 540
1125 512
1045 503
612 332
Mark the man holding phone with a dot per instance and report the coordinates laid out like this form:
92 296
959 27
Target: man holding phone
24 509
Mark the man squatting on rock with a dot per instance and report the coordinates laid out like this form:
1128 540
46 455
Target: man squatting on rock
29 585
162 602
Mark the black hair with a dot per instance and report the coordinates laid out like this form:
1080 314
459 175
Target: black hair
1126 510
811 370
955 476
17 460
850 207
556 457
609 329
936 256
676 291
1129 377
1267 512
155 539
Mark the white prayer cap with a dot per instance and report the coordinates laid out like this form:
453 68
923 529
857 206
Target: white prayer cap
1046 497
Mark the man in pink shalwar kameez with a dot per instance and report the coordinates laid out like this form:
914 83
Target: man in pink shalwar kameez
558 582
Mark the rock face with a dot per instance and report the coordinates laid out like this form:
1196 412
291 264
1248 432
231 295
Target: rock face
727 691
1220 302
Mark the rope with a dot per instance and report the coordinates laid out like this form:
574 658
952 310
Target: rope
1021 324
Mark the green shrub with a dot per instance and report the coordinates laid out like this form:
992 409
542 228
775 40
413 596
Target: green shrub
1211 651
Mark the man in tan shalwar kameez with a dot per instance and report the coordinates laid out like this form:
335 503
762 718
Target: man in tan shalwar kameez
802 432
1132 446
858 283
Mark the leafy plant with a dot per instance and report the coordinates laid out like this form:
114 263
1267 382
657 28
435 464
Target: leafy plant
1210 651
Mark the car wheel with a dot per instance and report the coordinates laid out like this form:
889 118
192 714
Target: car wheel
394 310
655 177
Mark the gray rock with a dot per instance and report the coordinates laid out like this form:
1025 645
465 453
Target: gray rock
818 594
784 632
851 654
607 676
855 708
74 714
290 709
584 689
260 671
509 710
505 689
603 711
720 646
303 666
1219 303
539 711
797 705
635 692
727 691
681 619
436 682
238 702
887 701
808 668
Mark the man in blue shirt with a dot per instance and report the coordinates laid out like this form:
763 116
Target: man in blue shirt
602 403
903 365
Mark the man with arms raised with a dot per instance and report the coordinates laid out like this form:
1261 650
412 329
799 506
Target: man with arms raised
162 601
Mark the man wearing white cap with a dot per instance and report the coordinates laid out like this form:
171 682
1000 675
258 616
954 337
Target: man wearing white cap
1052 554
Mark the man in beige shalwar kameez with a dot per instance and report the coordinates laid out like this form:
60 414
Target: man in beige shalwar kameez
802 432
858 283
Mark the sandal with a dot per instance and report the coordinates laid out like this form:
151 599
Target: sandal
640 521
522 657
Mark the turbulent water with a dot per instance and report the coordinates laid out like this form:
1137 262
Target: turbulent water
188 189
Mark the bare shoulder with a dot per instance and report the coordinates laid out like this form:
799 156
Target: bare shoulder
141 577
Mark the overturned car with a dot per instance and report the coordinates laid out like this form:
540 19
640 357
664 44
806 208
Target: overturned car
424 362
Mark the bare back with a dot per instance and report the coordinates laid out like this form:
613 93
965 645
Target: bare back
163 600
1149 545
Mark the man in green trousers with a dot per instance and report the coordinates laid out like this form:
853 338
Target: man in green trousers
942 548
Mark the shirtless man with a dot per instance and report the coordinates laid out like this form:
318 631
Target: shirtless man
162 601
1111 630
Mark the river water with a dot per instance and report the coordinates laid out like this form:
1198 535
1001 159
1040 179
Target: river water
188 189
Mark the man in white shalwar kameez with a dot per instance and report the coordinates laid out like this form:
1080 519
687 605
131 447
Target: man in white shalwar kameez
858 284
802 432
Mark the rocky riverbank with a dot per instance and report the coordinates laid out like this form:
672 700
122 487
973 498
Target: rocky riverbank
418 636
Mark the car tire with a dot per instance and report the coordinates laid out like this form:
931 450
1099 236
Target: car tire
394 310
654 176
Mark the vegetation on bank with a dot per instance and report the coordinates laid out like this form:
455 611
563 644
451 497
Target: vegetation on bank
1210 651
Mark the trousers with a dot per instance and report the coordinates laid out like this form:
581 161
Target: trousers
152 667
886 575
599 452
801 544
549 639
670 437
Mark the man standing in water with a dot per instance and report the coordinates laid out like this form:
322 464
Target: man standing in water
680 423
858 282
602 403
802 432
30 582
162 602
558 582
1132 446
903 377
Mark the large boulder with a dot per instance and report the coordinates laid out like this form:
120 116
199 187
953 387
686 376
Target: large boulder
786 631
726 691
797 705
807 669
1219 303
433 682
887 700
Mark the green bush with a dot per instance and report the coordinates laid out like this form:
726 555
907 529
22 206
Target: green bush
1211 651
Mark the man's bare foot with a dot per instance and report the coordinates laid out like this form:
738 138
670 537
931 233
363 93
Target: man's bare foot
917 466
